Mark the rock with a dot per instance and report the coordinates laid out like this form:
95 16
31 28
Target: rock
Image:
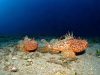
14 58
98 56
25 57
29 60
13 69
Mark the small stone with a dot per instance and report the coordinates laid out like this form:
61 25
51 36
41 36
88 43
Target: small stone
25 58
13 69
29 60
98 56
14 58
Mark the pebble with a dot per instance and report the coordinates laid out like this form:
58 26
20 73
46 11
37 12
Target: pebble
14 58
29 60
25 58
13 69
98 56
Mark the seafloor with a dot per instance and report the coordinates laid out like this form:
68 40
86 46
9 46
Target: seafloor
37 63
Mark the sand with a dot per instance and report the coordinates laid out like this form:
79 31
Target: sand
16 62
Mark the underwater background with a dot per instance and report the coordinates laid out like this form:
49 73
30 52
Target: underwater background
49 37
50 17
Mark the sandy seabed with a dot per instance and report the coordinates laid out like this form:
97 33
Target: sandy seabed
16 62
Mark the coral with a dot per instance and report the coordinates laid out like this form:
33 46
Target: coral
28 44
68 46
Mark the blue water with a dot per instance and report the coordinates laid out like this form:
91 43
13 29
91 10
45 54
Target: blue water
50 17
